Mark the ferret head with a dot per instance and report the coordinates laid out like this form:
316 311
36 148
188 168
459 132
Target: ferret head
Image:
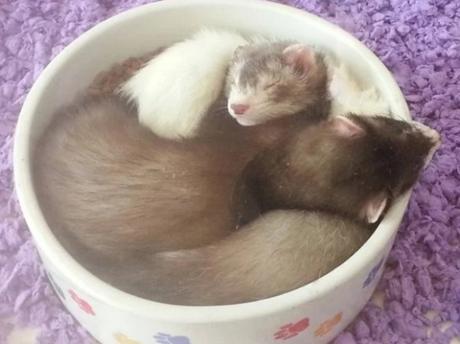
353 165
270 80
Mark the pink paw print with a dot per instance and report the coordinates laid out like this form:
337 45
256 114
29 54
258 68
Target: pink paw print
85 306
291 330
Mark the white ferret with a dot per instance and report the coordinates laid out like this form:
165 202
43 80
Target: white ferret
176 88
349 96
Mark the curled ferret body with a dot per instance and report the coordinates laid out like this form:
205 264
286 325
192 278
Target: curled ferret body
278 252
110 186
284 249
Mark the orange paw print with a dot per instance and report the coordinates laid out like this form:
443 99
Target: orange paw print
85 306
122 339
328 325
292 329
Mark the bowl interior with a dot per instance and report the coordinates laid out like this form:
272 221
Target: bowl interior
152 26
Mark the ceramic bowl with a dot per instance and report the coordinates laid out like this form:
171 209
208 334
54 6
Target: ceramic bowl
315 313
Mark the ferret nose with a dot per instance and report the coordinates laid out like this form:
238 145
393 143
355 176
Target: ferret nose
239 109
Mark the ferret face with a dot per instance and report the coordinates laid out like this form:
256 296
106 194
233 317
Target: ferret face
270 80
405 148
353 165
370 160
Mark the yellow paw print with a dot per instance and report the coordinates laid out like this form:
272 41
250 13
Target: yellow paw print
122 339
328 325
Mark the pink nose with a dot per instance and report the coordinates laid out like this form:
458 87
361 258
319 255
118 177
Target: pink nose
239 109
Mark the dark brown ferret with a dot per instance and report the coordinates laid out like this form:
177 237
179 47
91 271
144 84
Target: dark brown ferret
280 251
109 186
112 190
350 167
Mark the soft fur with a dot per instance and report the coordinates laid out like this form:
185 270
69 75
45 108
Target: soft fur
280 251
176 88
108 185
115 194
276 79
351 165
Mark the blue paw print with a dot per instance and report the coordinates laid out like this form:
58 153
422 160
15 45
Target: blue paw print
164 338
373 273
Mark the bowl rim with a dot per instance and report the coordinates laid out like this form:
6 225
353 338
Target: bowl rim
95 288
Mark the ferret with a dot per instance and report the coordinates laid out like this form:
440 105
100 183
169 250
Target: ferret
268 80
175 89
352 165
263 79
110 186
280 251
346 171
117 196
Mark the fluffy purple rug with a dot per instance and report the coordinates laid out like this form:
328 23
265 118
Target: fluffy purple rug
417 39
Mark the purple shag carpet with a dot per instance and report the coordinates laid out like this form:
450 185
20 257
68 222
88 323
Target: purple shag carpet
419 40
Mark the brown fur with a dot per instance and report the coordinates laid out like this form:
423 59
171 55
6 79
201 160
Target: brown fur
278 252
102 179
115 195
314 167
319 169
108 185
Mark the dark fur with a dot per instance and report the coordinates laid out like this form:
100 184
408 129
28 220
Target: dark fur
318 169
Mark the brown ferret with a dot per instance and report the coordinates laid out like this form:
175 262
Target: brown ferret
102 179
115 194
351 165
109 186
280 251
365 161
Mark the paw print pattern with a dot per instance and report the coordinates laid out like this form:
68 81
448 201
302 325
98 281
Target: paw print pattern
164 338
373 273
292 329
123 339
55 286
328 325
84 306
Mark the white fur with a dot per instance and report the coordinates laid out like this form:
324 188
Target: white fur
175 89
433 135
347 95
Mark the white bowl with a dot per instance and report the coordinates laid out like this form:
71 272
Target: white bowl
314 313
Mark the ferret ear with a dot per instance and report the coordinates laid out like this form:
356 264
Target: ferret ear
300 57
344 126
374 208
